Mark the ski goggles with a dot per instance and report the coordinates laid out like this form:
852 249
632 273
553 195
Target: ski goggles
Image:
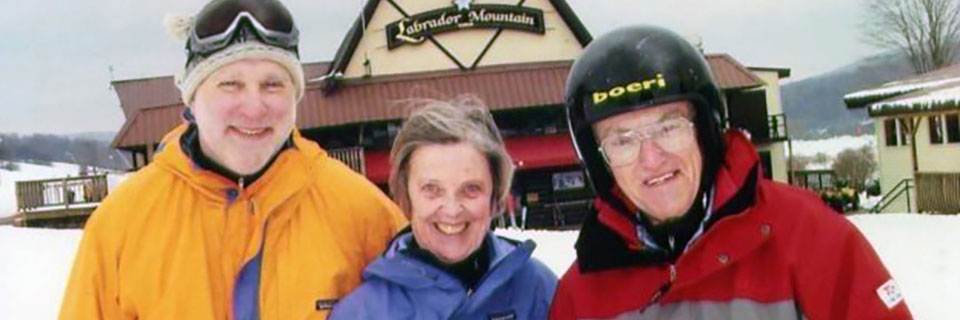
225 22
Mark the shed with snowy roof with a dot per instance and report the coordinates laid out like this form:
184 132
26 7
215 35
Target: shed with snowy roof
924 108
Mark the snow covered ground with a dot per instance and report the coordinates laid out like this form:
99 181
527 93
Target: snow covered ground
34 266
922 254
919 250
27 171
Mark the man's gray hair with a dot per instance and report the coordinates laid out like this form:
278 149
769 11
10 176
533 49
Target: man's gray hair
463 119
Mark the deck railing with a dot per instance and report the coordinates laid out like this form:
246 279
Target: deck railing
352 157
38 194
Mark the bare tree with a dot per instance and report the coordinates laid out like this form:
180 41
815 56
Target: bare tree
800 162
924 30
821 157
4 154
855 166
3 150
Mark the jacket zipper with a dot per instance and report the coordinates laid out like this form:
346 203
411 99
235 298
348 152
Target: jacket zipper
252 210
471 291
666 286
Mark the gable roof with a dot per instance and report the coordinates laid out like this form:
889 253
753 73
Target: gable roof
730 74
139 93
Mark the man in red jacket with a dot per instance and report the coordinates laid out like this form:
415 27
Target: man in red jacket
686 227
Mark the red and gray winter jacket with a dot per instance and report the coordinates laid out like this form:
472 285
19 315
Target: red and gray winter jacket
769 251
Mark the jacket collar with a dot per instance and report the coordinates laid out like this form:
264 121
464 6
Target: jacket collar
507 257
289 173
609 239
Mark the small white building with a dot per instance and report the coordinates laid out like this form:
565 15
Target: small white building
929 104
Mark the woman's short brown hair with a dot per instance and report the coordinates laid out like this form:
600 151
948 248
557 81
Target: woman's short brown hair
464 119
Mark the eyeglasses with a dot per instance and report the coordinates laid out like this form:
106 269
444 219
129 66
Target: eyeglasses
224 22
671 135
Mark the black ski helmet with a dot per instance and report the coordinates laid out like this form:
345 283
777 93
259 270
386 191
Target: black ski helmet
637 67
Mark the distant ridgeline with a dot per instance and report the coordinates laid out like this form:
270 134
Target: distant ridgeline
46 148
814 105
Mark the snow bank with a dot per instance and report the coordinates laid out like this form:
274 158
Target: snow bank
34 266
922 255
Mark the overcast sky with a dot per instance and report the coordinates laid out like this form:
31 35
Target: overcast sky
55 55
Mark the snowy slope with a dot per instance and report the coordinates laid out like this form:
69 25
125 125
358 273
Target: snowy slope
919 250
34 266
832 146
922 254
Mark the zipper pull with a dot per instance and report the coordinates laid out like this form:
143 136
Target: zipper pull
240 183
666 286
672 242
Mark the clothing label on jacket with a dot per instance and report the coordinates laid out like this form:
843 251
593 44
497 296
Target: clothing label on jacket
889 292
509 315
325 304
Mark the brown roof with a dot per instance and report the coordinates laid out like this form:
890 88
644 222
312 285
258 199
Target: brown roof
135 94
381 98
730 74
143 93
148 125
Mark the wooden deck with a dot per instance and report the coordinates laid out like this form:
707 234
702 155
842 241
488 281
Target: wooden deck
58 203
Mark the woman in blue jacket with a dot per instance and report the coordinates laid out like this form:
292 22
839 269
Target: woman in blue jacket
450 175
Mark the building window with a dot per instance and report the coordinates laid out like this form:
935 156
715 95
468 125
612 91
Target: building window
944 128
568 180
895 132
953 127
935 124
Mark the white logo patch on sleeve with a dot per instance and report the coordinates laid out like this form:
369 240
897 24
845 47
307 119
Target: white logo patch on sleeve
890 294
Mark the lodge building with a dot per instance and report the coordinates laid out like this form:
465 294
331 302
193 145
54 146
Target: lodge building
514 58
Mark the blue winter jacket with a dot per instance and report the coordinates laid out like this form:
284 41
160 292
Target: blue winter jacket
399 286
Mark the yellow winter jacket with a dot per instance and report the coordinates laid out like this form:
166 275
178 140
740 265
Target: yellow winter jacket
170 242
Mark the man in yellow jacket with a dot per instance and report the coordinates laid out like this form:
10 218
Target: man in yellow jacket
238 217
